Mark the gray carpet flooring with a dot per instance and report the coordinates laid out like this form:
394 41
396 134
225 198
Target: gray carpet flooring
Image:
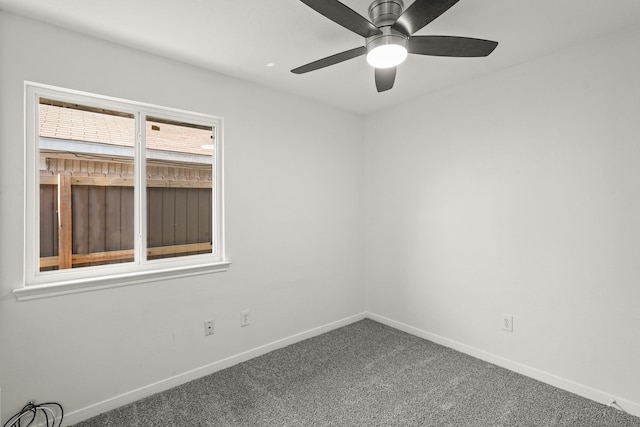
364 374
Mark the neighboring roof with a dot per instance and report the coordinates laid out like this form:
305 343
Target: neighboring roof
79 125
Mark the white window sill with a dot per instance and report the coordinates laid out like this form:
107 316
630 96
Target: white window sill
113 281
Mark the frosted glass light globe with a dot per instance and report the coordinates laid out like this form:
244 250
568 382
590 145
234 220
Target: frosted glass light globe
386 56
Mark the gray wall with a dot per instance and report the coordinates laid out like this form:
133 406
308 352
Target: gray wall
517 193
294 229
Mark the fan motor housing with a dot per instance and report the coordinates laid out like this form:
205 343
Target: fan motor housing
388 36
385 12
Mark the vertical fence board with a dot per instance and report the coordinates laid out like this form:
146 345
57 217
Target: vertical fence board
154 217
55 218
168 216
192 215
48 220
113 228
204 215
181 217
126 218
80 209
97 221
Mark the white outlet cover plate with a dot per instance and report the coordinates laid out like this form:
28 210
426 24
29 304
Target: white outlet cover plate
244 318
208 327
506 322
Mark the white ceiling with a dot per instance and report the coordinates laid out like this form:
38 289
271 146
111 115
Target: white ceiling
239 37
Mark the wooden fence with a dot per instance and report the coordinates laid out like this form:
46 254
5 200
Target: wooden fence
94 224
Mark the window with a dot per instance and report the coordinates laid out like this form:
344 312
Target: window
118 192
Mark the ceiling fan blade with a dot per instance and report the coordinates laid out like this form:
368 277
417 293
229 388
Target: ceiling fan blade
330 60
420 13
385 78
343 15
450 46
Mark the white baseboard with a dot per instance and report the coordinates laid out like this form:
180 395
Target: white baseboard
129 397
554 380
545 377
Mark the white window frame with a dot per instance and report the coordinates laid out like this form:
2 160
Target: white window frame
38 284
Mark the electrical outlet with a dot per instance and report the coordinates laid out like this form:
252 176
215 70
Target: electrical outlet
507 322
244 318
208 327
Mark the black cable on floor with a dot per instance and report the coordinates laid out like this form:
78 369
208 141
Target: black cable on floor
33 410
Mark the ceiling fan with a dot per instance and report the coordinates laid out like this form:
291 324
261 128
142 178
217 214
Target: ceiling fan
389 36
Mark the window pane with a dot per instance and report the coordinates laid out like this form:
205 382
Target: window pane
86 185
179 188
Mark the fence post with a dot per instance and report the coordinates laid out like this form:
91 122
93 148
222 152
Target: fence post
64 221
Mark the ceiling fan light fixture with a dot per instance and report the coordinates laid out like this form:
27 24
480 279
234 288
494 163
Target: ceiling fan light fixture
387 36
387 56
387 49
